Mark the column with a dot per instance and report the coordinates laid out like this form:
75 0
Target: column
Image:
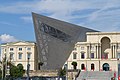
87 51
96 52
115 51
100 51
111 51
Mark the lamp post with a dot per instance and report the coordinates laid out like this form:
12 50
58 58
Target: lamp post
28 69
66 68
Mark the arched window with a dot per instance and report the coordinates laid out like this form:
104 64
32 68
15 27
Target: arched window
82 66
92 67
106 67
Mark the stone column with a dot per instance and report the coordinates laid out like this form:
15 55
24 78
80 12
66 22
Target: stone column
115 51
87 51
96 52
100 51
90 51
111 51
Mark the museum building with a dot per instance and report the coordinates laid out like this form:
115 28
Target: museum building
100 52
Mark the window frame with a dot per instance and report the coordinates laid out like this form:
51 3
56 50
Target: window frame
74 55
118 55
20 57
92 55
82 66
11 49
29 53
29 48
82 55
20 49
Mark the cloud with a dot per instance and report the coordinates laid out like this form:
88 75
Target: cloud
96 14
7 23
7 38
27 18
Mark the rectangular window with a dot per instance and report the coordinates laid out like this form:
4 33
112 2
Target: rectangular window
82 55
92 47
5 50
74 56
82 48
118 55
20 55
92 55
20 49
29 48
29 55
11 49
11 55
118 46
105 56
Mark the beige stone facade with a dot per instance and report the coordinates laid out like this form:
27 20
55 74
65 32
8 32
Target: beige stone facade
19 53
100 52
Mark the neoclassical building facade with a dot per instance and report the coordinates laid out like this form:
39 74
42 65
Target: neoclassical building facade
100 52
19 52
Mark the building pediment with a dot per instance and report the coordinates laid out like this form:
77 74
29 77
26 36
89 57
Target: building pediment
22 43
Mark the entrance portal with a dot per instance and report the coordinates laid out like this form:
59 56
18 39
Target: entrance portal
106 67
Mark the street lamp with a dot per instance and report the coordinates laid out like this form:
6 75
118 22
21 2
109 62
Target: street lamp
66 68
28 69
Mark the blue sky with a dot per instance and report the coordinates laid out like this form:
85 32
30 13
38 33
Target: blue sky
16 20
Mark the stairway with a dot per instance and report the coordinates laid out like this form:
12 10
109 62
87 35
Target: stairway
96 75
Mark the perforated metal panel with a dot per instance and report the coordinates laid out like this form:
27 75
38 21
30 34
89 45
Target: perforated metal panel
55 40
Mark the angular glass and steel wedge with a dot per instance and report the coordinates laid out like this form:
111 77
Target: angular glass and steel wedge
55 40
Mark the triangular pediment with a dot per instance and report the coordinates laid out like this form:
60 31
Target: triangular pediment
22 43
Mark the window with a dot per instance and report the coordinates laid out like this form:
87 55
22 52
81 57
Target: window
5 50
105 56
28 55
118 56
92 47
82 55
20 49
82 48
74 55
20 55
29 48
11 55
92 67
11 49
82 67
92 55
118 46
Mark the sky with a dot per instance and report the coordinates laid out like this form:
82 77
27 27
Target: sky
16 20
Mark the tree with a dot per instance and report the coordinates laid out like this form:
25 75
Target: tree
74 64
62 72
17 71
